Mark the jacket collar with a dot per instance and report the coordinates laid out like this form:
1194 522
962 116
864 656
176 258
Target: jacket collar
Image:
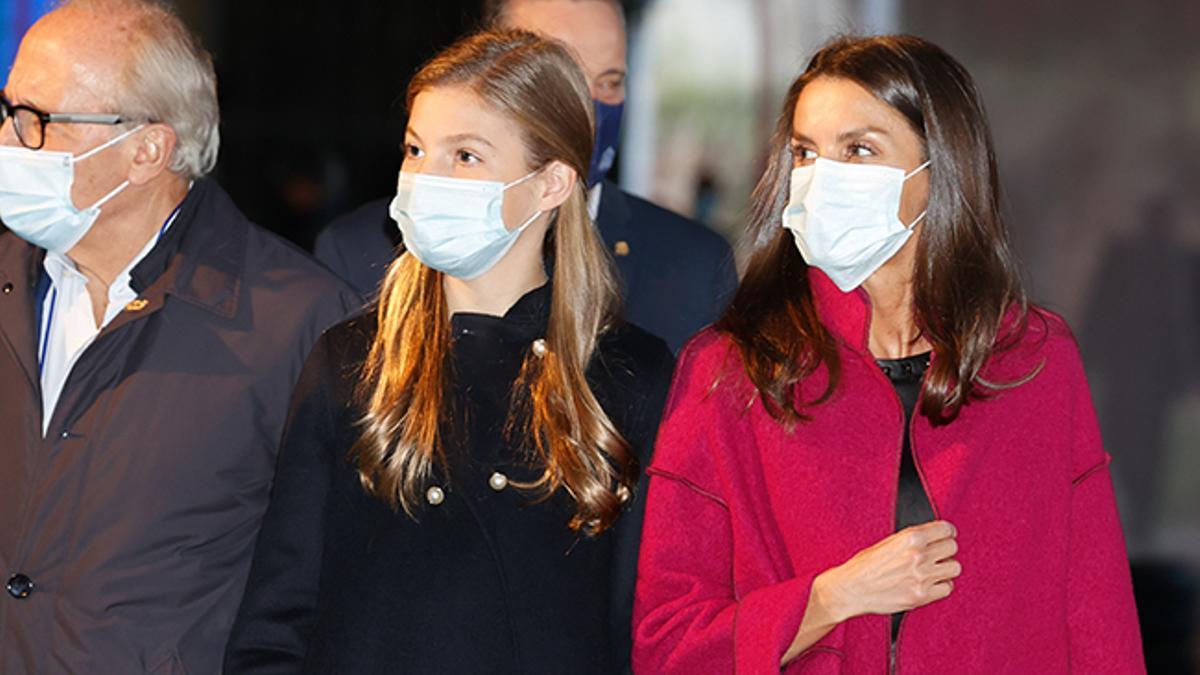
615 222
201 258
846 315
525 320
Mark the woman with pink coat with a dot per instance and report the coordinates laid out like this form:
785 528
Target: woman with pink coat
882 458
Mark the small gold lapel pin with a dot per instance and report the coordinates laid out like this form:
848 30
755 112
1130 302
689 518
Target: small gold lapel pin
621 248
137 305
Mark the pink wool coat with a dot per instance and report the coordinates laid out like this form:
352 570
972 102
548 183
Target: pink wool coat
741 516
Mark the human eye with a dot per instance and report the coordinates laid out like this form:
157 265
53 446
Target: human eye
803 155
466 157
860 150
413 151
611 89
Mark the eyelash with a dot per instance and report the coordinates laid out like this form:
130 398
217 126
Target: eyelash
464 156
855 147
853 150
800 153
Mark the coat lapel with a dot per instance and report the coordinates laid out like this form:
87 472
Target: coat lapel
614 221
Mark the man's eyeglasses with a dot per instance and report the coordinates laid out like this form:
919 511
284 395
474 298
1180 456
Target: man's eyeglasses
30 123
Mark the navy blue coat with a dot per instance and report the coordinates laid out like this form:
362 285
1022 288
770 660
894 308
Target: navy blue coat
485 579
676 275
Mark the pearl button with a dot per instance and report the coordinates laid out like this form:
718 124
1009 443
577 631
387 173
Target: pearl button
498 481
435 495
539 347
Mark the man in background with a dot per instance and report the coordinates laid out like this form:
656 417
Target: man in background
676 275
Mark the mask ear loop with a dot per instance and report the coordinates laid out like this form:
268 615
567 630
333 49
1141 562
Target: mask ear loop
906 177
103 200
524 178
107 144
517 182
918 170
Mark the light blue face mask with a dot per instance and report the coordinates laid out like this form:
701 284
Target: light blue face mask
35 195
455 225
846 217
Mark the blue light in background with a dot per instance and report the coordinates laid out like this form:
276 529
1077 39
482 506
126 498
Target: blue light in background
16 16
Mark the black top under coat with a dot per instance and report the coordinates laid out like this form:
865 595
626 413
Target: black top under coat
912 503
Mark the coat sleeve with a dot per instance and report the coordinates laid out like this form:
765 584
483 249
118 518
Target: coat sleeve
278 609
689 618
628 530
1101 615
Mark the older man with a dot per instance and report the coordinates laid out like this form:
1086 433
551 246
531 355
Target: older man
676 275
149 340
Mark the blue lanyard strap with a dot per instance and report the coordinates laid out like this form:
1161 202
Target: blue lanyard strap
45 331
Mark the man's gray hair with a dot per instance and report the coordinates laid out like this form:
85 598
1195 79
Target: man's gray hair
169 79
494 10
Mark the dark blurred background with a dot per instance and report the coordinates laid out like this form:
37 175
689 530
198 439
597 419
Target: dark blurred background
1095 110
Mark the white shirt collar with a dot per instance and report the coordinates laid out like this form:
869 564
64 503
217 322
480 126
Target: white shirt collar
593 200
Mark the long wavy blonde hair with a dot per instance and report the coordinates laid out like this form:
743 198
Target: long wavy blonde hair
406 378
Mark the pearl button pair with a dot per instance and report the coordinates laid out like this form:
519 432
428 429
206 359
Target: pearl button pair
436 495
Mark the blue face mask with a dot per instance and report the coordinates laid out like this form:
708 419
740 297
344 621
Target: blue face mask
608 132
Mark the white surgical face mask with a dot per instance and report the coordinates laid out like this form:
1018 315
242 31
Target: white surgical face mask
846 217
35 195
455 225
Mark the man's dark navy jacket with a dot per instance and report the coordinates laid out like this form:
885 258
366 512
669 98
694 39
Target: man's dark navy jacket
676 275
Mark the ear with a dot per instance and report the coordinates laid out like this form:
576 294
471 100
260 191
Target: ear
152 157
558 181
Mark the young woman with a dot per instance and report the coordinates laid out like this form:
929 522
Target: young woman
453 491
882 459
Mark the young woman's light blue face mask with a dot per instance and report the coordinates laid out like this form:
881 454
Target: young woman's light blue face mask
455 225
35 195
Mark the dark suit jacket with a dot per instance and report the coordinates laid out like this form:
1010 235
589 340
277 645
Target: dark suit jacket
134 518
676 275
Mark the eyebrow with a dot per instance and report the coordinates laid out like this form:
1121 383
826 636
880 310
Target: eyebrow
457 138
846 135
612 71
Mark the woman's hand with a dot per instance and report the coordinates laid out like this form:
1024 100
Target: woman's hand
909 569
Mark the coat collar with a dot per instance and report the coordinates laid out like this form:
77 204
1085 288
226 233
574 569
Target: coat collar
846 315
525 320
615 222
201 258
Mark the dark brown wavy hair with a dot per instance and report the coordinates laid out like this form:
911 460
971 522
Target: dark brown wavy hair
966 274
406 378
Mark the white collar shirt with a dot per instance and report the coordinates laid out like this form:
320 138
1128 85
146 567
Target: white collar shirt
68 323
